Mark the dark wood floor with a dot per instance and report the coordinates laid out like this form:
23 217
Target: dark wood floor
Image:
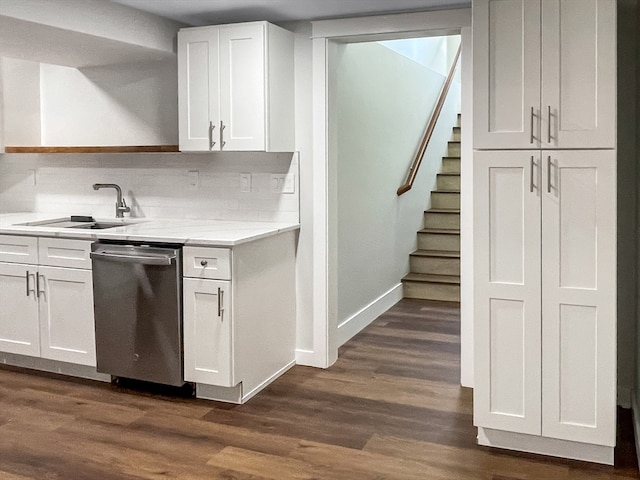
390 408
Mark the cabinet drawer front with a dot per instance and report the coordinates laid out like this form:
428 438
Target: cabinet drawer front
18 249
57 252
214 263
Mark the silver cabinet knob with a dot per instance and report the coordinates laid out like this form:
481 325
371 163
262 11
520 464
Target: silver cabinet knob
204 263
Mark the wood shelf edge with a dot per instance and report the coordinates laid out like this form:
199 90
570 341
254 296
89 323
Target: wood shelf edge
97 149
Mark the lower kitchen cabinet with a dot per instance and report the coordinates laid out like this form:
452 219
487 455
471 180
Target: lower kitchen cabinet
207 329
66 315
47 311
19 325
239 316
545 301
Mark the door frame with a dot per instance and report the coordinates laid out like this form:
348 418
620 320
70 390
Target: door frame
326 35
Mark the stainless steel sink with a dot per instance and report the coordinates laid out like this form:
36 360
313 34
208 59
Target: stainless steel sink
85 223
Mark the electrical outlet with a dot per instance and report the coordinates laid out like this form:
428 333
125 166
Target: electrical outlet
245 182
282 183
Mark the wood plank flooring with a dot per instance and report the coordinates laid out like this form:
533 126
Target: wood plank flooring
389 409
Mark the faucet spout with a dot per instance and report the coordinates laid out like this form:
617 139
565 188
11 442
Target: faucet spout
121 205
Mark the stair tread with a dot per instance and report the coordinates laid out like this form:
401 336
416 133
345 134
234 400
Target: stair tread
432 278
444 231
454 141
443 210
451 157
436 253
444 190
449 174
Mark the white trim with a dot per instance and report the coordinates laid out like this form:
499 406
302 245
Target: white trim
354 324
545 446
236 394
442 21
320 202
466 214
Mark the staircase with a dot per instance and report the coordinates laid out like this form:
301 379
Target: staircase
435 266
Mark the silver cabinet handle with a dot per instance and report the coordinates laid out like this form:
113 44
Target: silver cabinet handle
220 309
548 123
549 174
211 141
531 175
38 291
204 263
531 137
27 278
222 142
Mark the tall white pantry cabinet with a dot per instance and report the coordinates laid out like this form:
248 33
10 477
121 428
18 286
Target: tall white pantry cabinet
545 226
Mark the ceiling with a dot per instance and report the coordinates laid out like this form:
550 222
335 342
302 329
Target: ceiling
211 12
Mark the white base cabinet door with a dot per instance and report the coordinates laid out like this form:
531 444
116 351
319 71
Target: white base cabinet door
208 332
507 290
19 327
545 293
579 296
66 307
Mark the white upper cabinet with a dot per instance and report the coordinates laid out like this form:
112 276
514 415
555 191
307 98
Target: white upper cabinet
235 86
544 74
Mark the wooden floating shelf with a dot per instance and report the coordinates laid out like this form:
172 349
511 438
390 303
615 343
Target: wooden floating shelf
96 149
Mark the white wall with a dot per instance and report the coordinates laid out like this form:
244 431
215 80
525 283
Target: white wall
112 105
382 105
431 52
155 185
20 102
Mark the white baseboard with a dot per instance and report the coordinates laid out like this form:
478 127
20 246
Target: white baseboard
53 366
257 388
354 324
545 446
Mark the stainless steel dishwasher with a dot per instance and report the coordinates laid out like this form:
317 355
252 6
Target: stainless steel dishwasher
137 291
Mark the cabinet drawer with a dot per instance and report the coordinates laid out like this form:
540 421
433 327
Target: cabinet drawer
17 249
202 262
57 252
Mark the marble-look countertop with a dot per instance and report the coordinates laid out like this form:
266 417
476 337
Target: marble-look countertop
188 232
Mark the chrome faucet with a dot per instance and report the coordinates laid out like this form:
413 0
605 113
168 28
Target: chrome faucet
121 205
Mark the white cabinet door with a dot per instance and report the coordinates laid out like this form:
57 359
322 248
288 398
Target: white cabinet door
506 74
19 328
198 99
66 315
208 333
578 73
242 87
579 296
507 290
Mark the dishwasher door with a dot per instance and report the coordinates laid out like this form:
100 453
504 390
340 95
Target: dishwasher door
137 292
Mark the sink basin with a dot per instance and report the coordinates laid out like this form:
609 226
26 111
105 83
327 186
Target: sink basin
86 223
98 225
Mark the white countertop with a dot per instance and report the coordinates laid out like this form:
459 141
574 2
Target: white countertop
188 232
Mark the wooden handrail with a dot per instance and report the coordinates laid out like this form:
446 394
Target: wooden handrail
426 137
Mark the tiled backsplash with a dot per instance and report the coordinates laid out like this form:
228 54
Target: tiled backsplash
155 185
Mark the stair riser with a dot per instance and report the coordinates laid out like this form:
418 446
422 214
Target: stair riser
451 165
435 265
432 291
441 220
448 182
435 241
445 200
456 136
453 150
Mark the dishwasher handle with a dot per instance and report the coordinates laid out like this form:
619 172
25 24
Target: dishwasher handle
139 259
